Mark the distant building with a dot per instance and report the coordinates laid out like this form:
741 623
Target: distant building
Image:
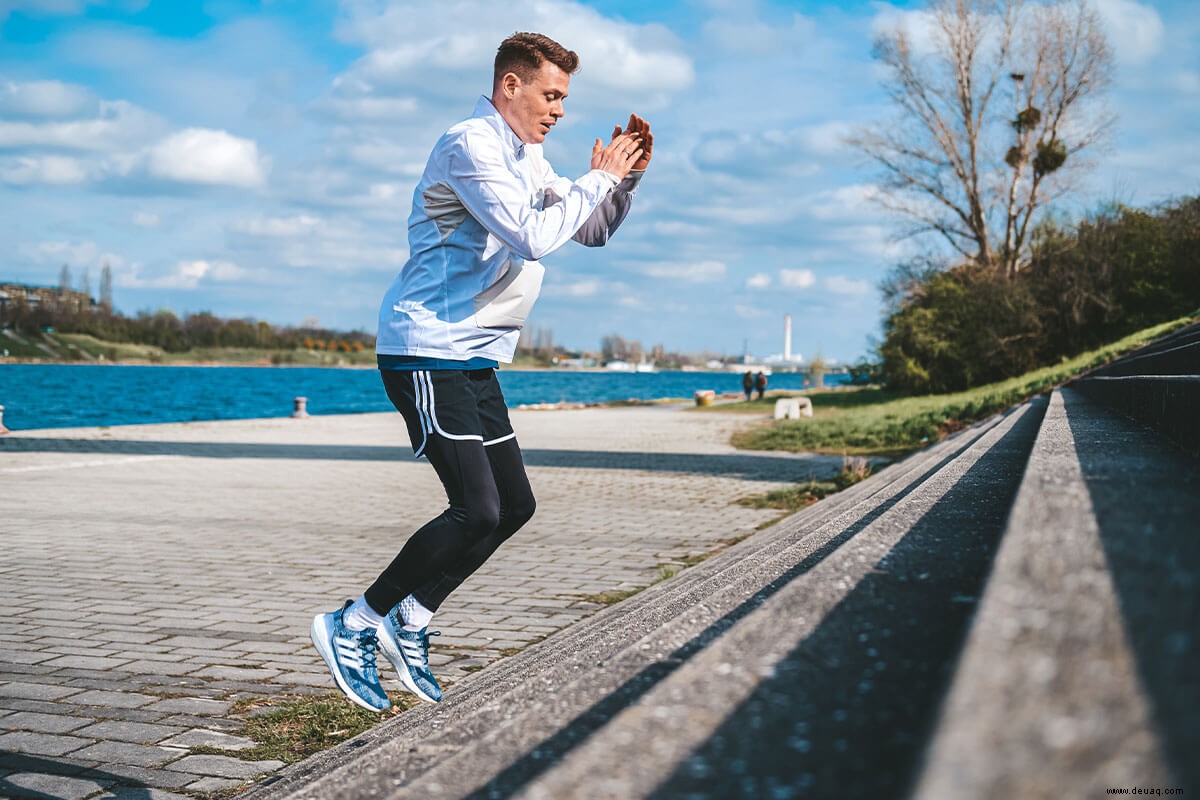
49 297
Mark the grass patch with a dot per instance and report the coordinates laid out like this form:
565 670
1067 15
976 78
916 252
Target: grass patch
872 421
611 597
793 498
293 727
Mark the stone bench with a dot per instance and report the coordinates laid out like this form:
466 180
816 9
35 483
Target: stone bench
793 408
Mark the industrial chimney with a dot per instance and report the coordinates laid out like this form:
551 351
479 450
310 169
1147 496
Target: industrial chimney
787 338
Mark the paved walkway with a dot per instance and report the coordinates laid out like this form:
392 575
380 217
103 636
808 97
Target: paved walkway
155 574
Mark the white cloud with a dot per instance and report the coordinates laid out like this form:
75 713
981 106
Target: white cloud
740 33
746 311
146 219
187 275
53 170
116 126
697 272
797 278
282 227
71 253
369 109
1188 81
840 284
614 53
46 100
760 280
588 288
919 27
846 203
761 153
1135 29
203 156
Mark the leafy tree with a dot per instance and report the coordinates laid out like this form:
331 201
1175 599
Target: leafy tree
968 326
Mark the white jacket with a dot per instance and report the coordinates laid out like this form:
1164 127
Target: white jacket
487 208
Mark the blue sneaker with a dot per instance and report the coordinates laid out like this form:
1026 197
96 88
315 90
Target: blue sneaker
409 653
350 656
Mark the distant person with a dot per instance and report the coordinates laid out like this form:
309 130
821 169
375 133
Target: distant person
488 206
760 384
747 384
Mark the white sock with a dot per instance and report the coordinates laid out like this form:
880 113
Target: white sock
415 615
361 617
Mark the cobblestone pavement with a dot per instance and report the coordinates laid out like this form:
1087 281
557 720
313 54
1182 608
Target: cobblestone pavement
155 574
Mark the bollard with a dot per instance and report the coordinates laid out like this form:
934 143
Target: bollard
3 430
301 411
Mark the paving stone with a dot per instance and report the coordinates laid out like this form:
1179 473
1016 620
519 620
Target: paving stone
237 673
43 723
125 714
35 691
43 744
27 657
85 662
136 755
59 787
140 793
126 774
112 699
124 731
224 766
213 785
199 737
190 721
191 705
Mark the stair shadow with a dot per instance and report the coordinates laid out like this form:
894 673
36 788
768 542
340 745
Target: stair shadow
1015 444
1146 497
850 710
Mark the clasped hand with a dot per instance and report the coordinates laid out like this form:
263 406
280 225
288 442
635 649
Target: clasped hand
629 149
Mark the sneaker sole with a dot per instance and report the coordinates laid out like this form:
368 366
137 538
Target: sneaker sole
320 634
391 651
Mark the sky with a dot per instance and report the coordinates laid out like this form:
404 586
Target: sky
256 158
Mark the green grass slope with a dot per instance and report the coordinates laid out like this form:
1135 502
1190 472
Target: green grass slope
872 421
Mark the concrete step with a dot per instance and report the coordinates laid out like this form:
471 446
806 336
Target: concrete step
826 689
1177 359
1170 404
481 689
497 734
1082 669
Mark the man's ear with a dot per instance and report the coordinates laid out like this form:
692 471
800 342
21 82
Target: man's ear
509 84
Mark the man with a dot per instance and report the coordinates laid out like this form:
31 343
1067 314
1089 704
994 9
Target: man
487 208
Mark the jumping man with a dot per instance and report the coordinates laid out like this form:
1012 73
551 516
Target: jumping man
487 208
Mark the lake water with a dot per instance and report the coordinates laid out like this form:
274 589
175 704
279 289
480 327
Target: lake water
64 396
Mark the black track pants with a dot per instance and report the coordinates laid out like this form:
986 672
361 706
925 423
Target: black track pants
490 500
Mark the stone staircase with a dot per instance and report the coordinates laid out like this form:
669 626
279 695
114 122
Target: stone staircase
1014 611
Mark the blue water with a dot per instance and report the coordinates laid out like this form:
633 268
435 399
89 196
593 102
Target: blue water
64 396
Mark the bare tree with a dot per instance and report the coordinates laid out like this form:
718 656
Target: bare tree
997 101
64 279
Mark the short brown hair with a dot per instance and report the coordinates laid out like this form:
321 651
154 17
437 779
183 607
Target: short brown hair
524 54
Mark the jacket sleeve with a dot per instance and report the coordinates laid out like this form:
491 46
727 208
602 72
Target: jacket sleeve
500 200
608 216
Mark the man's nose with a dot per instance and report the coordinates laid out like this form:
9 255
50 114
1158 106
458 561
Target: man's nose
557 109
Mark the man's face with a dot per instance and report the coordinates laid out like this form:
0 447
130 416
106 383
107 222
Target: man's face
537 104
